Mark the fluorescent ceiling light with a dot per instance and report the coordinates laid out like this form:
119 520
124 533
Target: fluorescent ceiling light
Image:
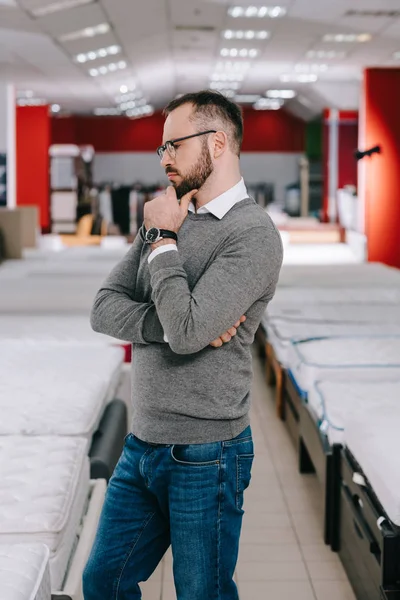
104 112
227 76
49 9
281 94
224 85
301 78
99 53
310 68
229 66
246 98
239 52
268 104
325 54
110 68
260 12
249 34
347 37
88 32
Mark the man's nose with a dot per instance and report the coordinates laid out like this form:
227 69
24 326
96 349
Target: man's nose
166 159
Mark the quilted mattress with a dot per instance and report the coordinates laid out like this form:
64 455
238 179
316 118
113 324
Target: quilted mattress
44 487
281 332
332 359
56 388
348 275
24 572
334 403
345 313
341 295
373 439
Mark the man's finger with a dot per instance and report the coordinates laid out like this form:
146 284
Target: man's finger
217 343
243 318
186 200
170 193
232 331
225 337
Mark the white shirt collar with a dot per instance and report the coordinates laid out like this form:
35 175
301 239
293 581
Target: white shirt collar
222 204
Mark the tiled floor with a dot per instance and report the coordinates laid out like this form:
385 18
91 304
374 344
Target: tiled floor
282 555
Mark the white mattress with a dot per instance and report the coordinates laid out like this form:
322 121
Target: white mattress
319 254
335 312
373 439
56 388
63 328
24 572
286 297
281 332
335 402
44 487
345 275
332 359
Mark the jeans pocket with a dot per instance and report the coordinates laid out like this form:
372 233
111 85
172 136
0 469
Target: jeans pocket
197 455
243 475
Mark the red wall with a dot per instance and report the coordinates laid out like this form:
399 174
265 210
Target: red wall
265 131
382 172
33 141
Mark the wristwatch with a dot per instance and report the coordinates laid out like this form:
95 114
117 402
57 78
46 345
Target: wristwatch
154 235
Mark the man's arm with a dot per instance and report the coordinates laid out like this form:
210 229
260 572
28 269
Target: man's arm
247 269
115 310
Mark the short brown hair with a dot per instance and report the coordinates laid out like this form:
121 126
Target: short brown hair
211 107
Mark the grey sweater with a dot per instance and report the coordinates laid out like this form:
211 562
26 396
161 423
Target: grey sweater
186 391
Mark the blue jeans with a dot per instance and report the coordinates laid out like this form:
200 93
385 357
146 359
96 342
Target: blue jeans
189 497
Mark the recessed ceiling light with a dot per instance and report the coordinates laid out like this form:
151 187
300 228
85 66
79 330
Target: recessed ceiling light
55 108
88 32
48 9
224 85
95 54
268 104
249 34
310 68
104 69
239 52
246 98
325 54
227 76
261 12
229 65
301 77
347 37
281 94
141 111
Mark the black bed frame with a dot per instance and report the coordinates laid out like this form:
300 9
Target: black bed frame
370 553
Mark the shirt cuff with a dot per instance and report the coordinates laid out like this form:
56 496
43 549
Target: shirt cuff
165 338
161 250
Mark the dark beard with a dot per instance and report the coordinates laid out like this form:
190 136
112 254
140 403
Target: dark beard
197 177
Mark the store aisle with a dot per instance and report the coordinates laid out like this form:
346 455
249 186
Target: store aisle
282 552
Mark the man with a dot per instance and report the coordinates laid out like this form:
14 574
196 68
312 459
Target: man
189 295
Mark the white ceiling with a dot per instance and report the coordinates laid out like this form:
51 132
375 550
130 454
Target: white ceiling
164 60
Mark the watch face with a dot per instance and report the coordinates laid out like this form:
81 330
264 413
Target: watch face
152 235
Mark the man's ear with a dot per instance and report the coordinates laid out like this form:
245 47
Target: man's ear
220 143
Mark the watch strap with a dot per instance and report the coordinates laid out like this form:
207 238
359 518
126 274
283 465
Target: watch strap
166 233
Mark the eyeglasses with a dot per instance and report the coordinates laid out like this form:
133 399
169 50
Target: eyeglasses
170 145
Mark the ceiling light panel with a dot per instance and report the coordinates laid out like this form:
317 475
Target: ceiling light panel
268 104
54 7
300 78
246 98
248 34
99 53
87 32
347 38
239 52
325 54
285 94
261 12
106 69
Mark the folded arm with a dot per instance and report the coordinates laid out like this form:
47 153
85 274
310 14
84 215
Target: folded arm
246 270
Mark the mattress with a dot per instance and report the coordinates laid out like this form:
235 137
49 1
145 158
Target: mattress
345 275
373 439
24 572
281 332
333 403
56 388
332 359
345 313
43 495
287 297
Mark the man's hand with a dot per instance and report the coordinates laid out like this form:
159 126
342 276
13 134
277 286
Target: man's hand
228 335
165 212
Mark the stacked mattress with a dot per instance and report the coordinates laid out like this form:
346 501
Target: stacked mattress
43 495
24 572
